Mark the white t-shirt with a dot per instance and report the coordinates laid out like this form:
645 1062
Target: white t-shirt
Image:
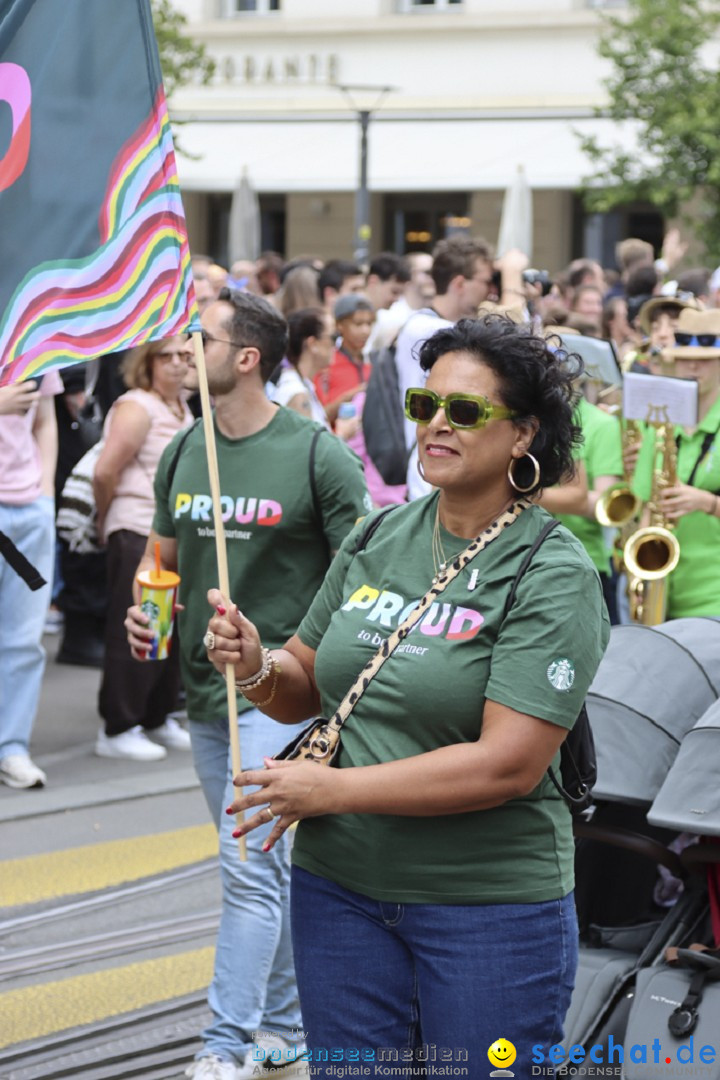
289 385
419 327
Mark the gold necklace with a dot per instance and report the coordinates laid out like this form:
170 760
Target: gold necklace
440 559
175 407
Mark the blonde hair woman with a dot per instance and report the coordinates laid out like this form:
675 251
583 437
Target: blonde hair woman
136 698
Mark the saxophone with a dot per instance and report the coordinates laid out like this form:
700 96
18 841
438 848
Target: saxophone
652 553
618 505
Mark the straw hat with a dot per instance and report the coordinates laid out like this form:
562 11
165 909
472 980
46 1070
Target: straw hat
696 323
549 331
672 304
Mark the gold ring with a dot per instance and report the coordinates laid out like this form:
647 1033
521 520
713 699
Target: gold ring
272 816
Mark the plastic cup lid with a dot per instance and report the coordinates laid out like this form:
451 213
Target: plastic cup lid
151 579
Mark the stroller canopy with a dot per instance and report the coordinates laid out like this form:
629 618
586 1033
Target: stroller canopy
653 685
689 800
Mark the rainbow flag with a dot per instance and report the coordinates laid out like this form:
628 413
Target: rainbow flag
94 246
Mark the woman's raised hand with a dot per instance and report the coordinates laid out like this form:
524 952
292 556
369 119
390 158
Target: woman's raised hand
235 639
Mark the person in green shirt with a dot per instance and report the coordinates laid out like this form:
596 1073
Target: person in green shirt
601 456
290 493
433 869
692 506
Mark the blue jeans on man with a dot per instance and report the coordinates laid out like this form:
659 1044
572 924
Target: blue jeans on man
253 987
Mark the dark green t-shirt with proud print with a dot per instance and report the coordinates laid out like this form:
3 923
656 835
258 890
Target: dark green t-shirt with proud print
277 546
540 660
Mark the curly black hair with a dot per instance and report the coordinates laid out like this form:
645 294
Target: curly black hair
536 378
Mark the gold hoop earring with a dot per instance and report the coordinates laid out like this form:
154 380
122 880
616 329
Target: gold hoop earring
536 477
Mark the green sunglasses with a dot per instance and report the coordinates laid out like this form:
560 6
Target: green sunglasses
464 411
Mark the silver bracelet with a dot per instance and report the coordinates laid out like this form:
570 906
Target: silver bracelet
260 675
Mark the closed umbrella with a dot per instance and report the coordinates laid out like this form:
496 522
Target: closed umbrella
244 223
516 221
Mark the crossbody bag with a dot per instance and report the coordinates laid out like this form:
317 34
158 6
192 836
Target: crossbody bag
320 740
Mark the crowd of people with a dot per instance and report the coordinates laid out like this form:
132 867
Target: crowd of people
441 799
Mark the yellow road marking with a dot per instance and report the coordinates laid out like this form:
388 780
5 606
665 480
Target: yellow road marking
97 866
36 1011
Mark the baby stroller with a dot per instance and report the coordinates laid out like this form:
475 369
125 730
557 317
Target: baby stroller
632 886
677 1000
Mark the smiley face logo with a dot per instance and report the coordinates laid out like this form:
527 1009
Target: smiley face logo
502 1053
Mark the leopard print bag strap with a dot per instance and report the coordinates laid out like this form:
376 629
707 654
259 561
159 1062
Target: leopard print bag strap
320 741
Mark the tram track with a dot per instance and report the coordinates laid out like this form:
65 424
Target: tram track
17 964
109 896
154 1043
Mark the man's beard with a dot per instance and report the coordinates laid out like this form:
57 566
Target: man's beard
223 380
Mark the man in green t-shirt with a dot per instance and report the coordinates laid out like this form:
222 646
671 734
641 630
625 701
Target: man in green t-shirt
290 492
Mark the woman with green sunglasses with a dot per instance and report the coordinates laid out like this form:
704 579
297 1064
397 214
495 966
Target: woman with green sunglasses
433 869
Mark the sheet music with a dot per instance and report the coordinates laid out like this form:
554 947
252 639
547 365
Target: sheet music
645 395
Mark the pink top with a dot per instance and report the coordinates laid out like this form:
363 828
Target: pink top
382 494
20 464
133 503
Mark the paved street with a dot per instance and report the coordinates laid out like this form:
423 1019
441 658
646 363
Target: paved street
109 901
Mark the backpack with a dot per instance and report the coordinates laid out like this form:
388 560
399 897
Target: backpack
578 763
383 419
76 521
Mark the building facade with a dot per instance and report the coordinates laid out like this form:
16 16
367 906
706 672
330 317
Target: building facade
461 93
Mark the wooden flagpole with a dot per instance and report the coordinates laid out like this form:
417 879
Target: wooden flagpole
221 550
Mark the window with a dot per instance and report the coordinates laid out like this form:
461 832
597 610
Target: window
415 221
428 5
254 7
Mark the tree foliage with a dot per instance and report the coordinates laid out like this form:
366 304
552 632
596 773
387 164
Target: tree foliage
663 85
182 60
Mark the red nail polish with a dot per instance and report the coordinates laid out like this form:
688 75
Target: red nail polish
266 847
237 833
142 653
220 609
228 809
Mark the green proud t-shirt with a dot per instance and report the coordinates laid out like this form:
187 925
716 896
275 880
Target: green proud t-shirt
694 585
278 550
431 693
601 453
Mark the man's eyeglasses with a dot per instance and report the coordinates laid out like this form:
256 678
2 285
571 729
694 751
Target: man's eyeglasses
706 341
205 337
463 411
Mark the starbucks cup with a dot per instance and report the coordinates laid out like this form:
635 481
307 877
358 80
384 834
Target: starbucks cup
158 591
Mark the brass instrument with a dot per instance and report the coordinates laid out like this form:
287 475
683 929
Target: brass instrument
652 553
618 505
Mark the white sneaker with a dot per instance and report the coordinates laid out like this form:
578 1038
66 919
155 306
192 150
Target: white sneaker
170 734
212 1067
133 744
287 1051
18 771
54 621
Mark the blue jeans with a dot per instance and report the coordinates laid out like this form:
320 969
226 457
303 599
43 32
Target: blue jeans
253 985
22 618
426 978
